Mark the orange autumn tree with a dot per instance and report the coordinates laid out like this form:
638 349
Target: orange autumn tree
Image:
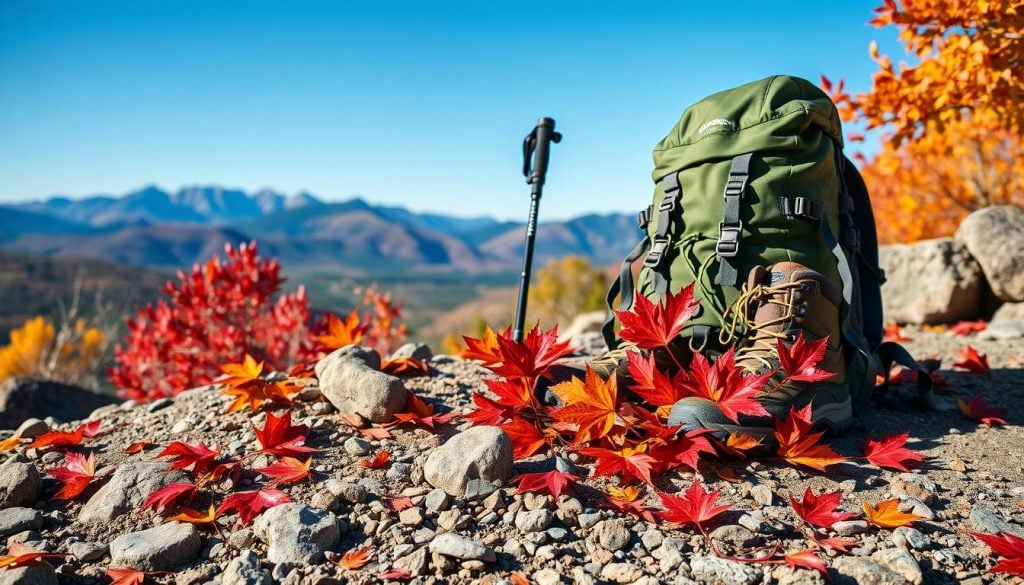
951 123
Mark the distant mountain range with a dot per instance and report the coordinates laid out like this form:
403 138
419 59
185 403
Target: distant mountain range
159 229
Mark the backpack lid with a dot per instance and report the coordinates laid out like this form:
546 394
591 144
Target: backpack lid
763 115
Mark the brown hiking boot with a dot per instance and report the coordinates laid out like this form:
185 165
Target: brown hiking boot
780 305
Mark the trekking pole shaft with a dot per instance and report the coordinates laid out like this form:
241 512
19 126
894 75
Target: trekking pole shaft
538 144
524 279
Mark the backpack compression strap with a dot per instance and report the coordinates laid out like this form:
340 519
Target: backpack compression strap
661 241
623 287
731 228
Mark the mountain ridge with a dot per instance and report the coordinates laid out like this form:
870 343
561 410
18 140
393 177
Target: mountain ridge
156 228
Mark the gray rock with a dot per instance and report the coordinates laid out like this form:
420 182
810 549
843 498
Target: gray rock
612 534
88 552
20 484
1009 312
296 534
736 536
351 492
477 489
652 539
905 536
995 237
356 446
621 572
159 404
1003 330
588 520
414 562
351 380
534 520
850 527
547 577
460 547
126 491
161 548
478 453
15 520
931 281
413 516
32 428
988 521
437 500
762 494
245 570
25 398
901 562
722 572
866 572
915 485
419 351
34 574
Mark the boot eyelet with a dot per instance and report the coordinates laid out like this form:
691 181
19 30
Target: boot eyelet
801 310
791 337
807 287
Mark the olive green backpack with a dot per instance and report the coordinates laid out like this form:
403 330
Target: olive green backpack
754 176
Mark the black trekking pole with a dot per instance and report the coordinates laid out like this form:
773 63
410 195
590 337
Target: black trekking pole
537 143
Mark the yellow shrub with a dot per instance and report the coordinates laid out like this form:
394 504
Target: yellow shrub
70 354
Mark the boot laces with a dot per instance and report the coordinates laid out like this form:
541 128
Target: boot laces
762 342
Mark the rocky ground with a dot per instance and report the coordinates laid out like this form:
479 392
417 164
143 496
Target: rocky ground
479 531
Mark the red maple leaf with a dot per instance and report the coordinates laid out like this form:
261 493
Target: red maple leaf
806 559
820 510
397 503
250 504
683 450
169 495
381 459
184 455
1010 549
279 437
488 412
286 470
696 506
800 446
552 482
890 453
651 384
726 385
420 414
964 328
75 475
651 325
533 356
395 574
800 360
970 360
526 438
590 404
630 462
64 438
978 411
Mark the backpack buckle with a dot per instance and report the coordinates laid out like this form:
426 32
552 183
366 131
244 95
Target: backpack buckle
668 203
728 240
643 219
659 248
735 186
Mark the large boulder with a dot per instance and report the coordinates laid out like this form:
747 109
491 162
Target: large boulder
350 378
930 282
20 483
483 453
25 398
995 237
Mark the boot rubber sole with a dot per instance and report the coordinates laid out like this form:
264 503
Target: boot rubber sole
694 413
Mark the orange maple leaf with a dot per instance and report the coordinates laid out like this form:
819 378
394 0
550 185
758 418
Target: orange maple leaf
19 555
405 366
591 404
195 516
138 447
342 333
886 514
800 446
485 349
241 374
977 410
286 470
356 558
382 459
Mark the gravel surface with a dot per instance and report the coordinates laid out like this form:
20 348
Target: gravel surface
973 480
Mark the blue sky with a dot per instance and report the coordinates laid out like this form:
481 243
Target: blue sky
422 104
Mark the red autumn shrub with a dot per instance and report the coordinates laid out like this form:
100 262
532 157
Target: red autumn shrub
218 313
